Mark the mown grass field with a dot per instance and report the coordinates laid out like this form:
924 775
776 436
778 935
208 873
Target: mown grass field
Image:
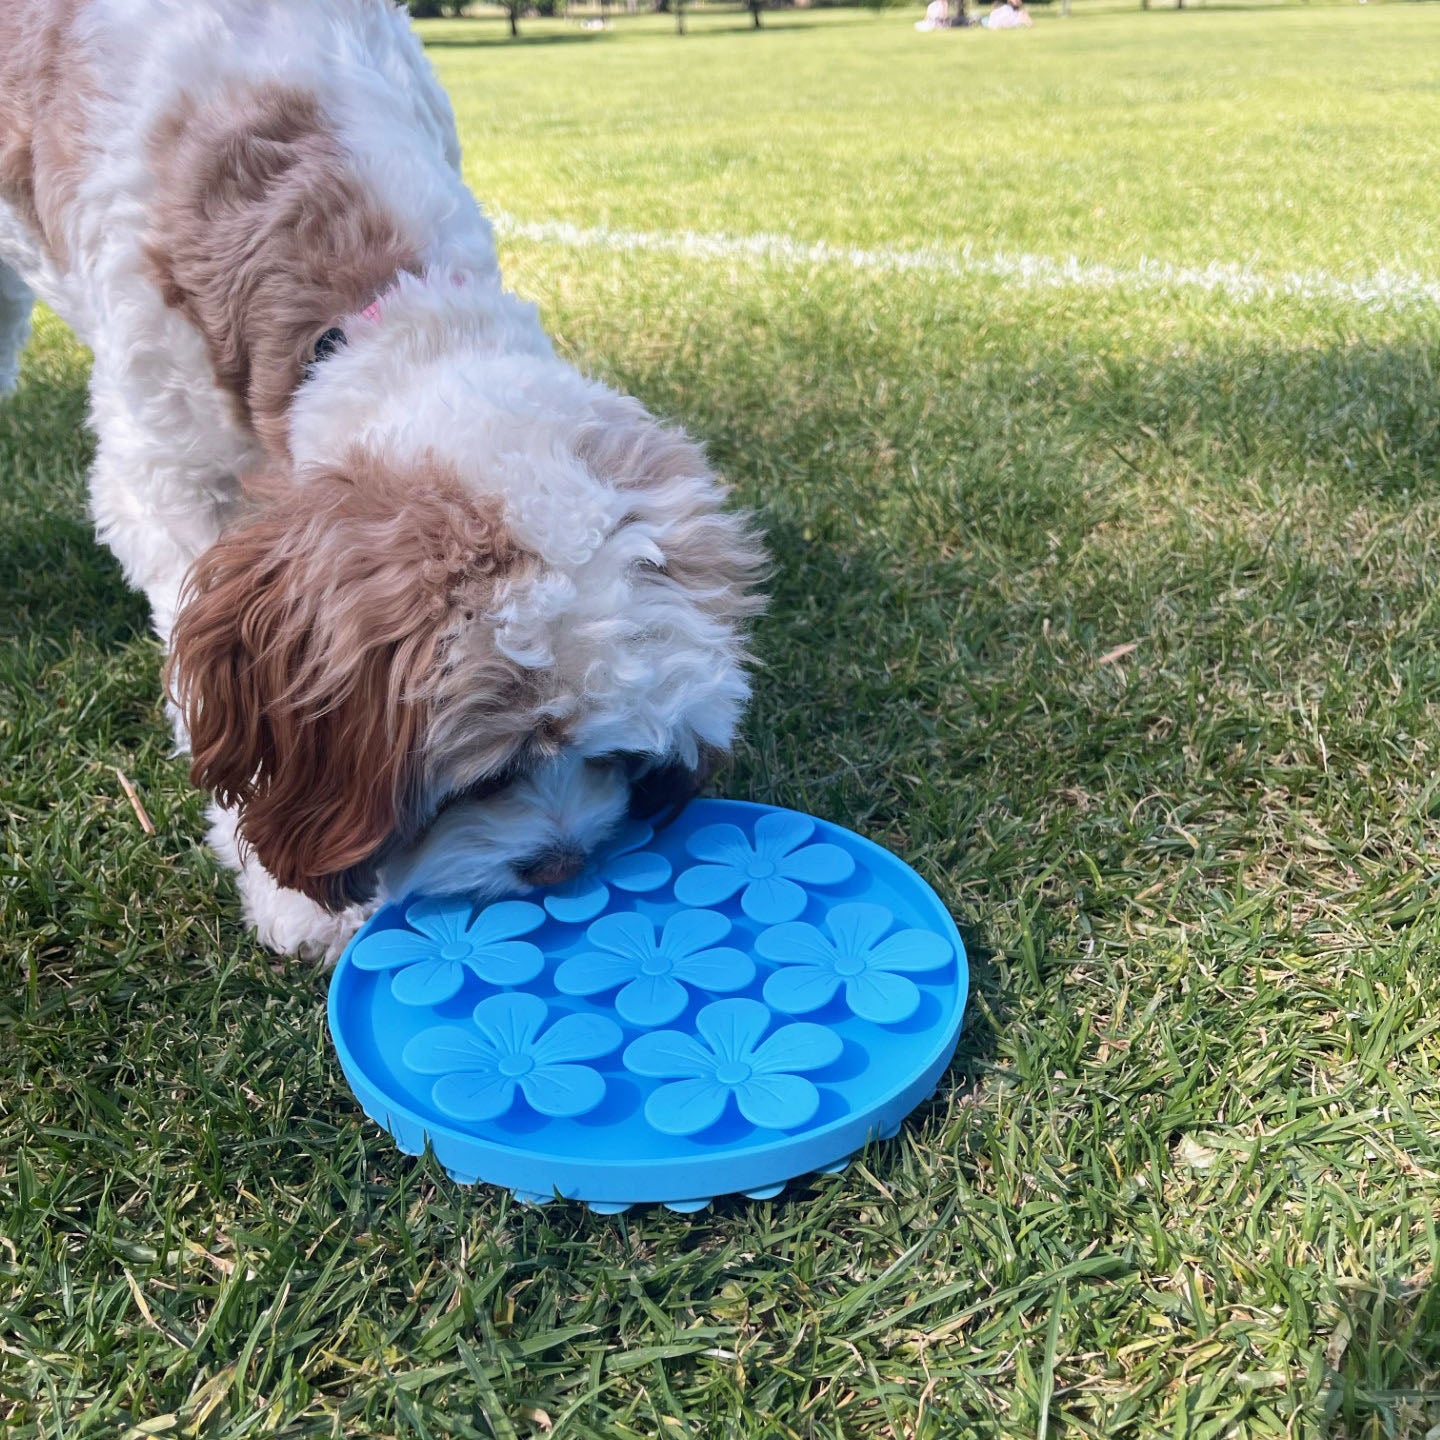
1106 597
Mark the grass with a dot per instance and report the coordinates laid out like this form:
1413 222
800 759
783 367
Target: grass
1111 610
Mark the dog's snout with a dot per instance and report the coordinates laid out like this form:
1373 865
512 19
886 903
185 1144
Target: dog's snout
553 866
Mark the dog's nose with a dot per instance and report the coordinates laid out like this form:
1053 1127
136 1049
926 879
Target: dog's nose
552 867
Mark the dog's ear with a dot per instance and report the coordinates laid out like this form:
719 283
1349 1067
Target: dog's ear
304 654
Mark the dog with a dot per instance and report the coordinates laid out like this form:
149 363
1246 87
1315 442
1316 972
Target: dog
439 611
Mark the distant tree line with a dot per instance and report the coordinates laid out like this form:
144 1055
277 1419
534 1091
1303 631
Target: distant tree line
514 9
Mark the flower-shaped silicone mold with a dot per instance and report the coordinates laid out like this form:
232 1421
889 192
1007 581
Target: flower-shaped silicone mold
617 864
430 965
769 873
654 975
731 1057
481 1066
858 955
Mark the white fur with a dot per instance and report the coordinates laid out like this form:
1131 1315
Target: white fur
285 920
455 365
472 847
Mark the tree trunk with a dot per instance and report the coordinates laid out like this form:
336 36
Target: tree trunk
755 12
514 14
679 17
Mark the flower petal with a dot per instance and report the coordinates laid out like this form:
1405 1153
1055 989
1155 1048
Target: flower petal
443 920
563 1090
686 1106
577 1037
780 832
720 970
505 920
722 844
708 884
431 982
668 1055
390 949
912 951
638 873
796 943
882 998
817 865
733 1028
772 900
687 931
856 929
507 962
474 1097
800 990
625 933
443 1049
778 1102
797 1047
510 1021
591 973
651 1000
578 900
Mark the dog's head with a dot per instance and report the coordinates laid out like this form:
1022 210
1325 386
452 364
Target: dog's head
458 672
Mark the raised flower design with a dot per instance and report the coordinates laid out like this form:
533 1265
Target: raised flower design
732 1057
431 957
654 973
482 1065
623 863
769 872
857 954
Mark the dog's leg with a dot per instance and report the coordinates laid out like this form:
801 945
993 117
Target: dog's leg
156 513
15 305
284 920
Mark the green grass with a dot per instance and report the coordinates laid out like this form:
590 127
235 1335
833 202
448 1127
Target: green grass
1183 1178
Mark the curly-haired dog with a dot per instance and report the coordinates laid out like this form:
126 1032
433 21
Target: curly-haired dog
439 609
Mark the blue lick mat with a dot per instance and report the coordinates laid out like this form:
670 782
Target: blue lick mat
747 996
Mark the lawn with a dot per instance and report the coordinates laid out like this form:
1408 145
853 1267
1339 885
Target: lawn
1105 595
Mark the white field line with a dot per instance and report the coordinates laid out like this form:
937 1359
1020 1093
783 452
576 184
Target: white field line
1383 290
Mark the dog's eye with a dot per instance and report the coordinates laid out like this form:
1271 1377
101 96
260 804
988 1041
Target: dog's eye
328 343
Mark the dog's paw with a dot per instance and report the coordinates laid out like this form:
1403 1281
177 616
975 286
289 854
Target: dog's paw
283 920
292 924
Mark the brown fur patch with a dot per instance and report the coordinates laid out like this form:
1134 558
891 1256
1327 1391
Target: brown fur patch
307 652
44 83
263 237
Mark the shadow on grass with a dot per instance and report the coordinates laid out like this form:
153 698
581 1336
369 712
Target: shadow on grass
63 582
846 726
57 578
